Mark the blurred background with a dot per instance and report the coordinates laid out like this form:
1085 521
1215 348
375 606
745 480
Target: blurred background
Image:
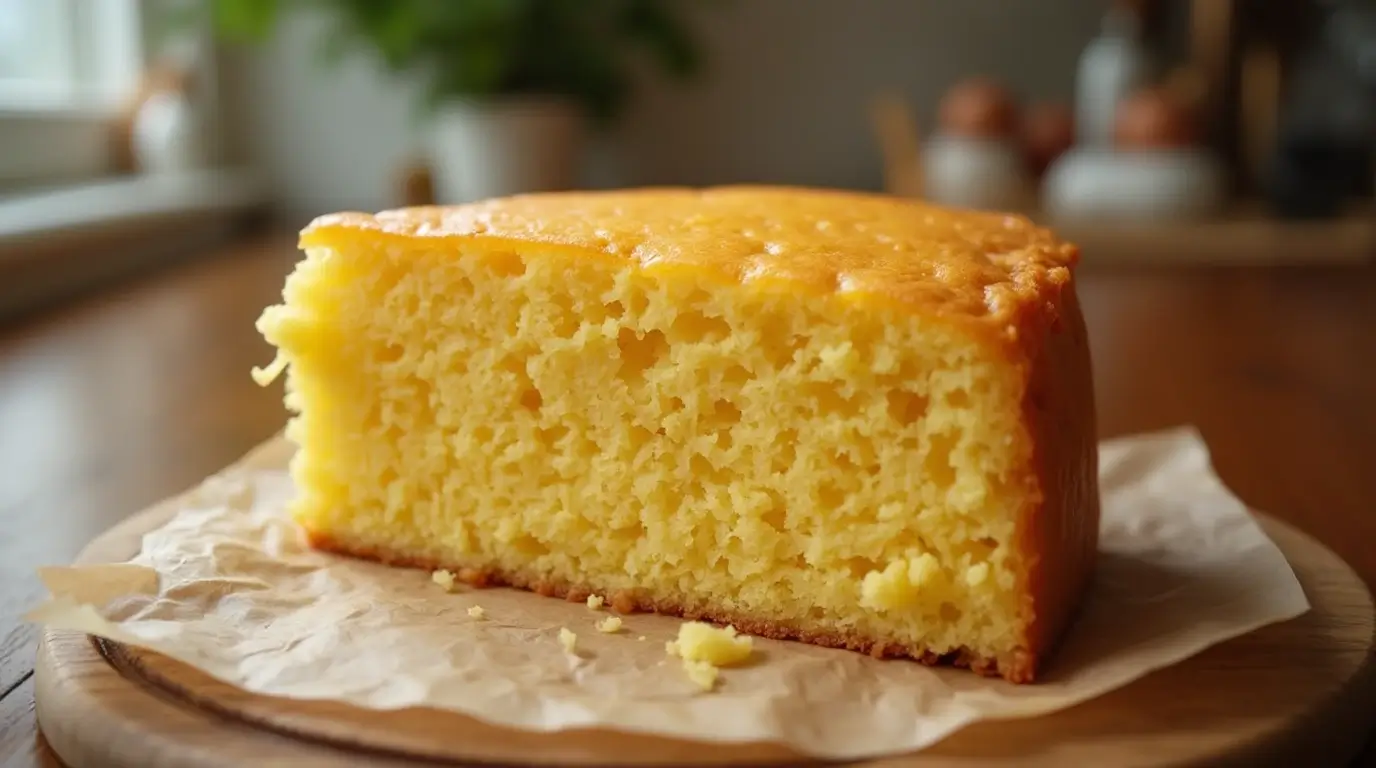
1197 130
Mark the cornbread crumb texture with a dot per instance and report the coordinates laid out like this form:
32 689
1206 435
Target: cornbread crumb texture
443 578
595 602
568 639
562 390
609 625
477 611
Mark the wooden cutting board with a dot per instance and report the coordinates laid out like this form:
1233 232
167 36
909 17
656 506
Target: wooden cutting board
1298 693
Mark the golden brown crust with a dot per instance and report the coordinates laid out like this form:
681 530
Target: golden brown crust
970 265
1058 532
1019 668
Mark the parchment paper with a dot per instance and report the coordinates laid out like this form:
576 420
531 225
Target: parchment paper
228 586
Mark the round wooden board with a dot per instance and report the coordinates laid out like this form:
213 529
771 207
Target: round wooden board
1301 692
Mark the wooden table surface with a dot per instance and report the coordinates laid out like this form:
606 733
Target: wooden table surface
119 399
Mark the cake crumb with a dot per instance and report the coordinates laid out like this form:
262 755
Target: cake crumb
443 578
642 637
595 602
269 373
609 625
700 641
705 648
567 638
702 673
477 612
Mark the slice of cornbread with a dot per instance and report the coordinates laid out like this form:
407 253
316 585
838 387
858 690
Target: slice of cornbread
840 418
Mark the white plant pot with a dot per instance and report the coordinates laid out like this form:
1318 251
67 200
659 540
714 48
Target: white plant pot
505 147
976 173
167 135
1145 185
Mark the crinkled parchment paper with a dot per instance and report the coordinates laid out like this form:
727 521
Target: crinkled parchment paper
228 586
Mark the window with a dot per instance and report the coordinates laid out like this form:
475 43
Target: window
65 68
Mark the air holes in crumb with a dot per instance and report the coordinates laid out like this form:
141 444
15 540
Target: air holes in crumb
390 353
859 566
639 437
827 401
726 413
639 352
988 543
736 375
507 264
700 467
531 400
482 434
529 545
614 309
566 325
778 342
958 399
628 533
639 302
776 513
830 496
950 614
785 450
695 327
906 407
938 462
551 436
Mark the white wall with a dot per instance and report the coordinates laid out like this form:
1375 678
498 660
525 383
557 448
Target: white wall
785 100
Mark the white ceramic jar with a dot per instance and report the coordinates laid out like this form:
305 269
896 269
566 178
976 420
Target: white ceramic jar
505 147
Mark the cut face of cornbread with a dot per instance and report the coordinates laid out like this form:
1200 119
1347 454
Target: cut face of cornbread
838 418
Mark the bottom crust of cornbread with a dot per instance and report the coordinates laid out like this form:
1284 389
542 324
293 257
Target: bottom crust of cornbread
1018 667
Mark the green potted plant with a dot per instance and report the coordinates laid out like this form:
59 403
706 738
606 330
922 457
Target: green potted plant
511 87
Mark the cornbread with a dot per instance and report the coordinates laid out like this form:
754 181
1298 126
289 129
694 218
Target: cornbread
704 648
568 638
840 418
444 579
718 646
610 625
477 612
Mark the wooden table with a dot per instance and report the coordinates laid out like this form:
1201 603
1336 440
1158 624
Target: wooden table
125 397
